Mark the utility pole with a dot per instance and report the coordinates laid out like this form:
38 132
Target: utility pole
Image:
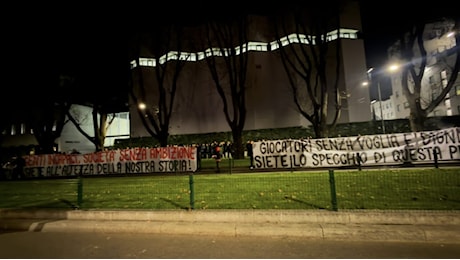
381 107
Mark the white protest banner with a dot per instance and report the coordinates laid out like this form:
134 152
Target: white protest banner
132 160
386 149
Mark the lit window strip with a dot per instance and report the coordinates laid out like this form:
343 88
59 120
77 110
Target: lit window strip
250 46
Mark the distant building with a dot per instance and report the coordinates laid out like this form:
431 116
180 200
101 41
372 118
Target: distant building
71 140
384 109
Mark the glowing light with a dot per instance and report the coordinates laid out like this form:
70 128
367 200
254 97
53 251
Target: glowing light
393 67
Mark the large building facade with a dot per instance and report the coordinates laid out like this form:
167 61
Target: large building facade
198 107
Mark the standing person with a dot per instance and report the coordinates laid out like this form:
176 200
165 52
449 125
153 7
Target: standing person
250 154
224 149
217 156
198 156
20 164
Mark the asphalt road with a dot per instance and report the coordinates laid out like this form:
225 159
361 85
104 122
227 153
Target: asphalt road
141 245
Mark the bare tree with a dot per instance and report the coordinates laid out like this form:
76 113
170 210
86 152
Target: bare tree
101 121
157 96
47 124
94 91
47 115
305 49
415 57
227 59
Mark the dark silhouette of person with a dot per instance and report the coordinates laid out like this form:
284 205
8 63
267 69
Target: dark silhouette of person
250 154
218 157
198 156
18 170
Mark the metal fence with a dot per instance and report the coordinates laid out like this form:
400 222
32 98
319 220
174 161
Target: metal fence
386 189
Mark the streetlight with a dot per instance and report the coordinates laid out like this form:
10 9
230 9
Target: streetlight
142 106
155 110
380 98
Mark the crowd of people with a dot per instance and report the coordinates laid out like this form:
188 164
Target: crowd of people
217 151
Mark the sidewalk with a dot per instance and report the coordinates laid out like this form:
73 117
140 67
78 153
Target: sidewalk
413 226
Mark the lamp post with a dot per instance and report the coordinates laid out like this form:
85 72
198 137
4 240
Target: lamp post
374 113
381 107
380 99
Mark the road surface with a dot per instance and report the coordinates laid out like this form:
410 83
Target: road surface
132 245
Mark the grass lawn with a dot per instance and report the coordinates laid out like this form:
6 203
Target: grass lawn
389 189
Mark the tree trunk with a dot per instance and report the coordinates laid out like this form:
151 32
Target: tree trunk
238 145
417 122
163 138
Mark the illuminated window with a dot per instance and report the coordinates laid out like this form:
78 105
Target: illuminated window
447 103
133 64
150 63
444 78
241 49
293 38
191 57
303 39
274 45
250 46
162 59
147 62
284 41
172 55
258 46
201 55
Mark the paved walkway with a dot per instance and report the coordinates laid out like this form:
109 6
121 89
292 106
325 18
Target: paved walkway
414 226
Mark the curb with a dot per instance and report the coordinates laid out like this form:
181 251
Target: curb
413 226
246 216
